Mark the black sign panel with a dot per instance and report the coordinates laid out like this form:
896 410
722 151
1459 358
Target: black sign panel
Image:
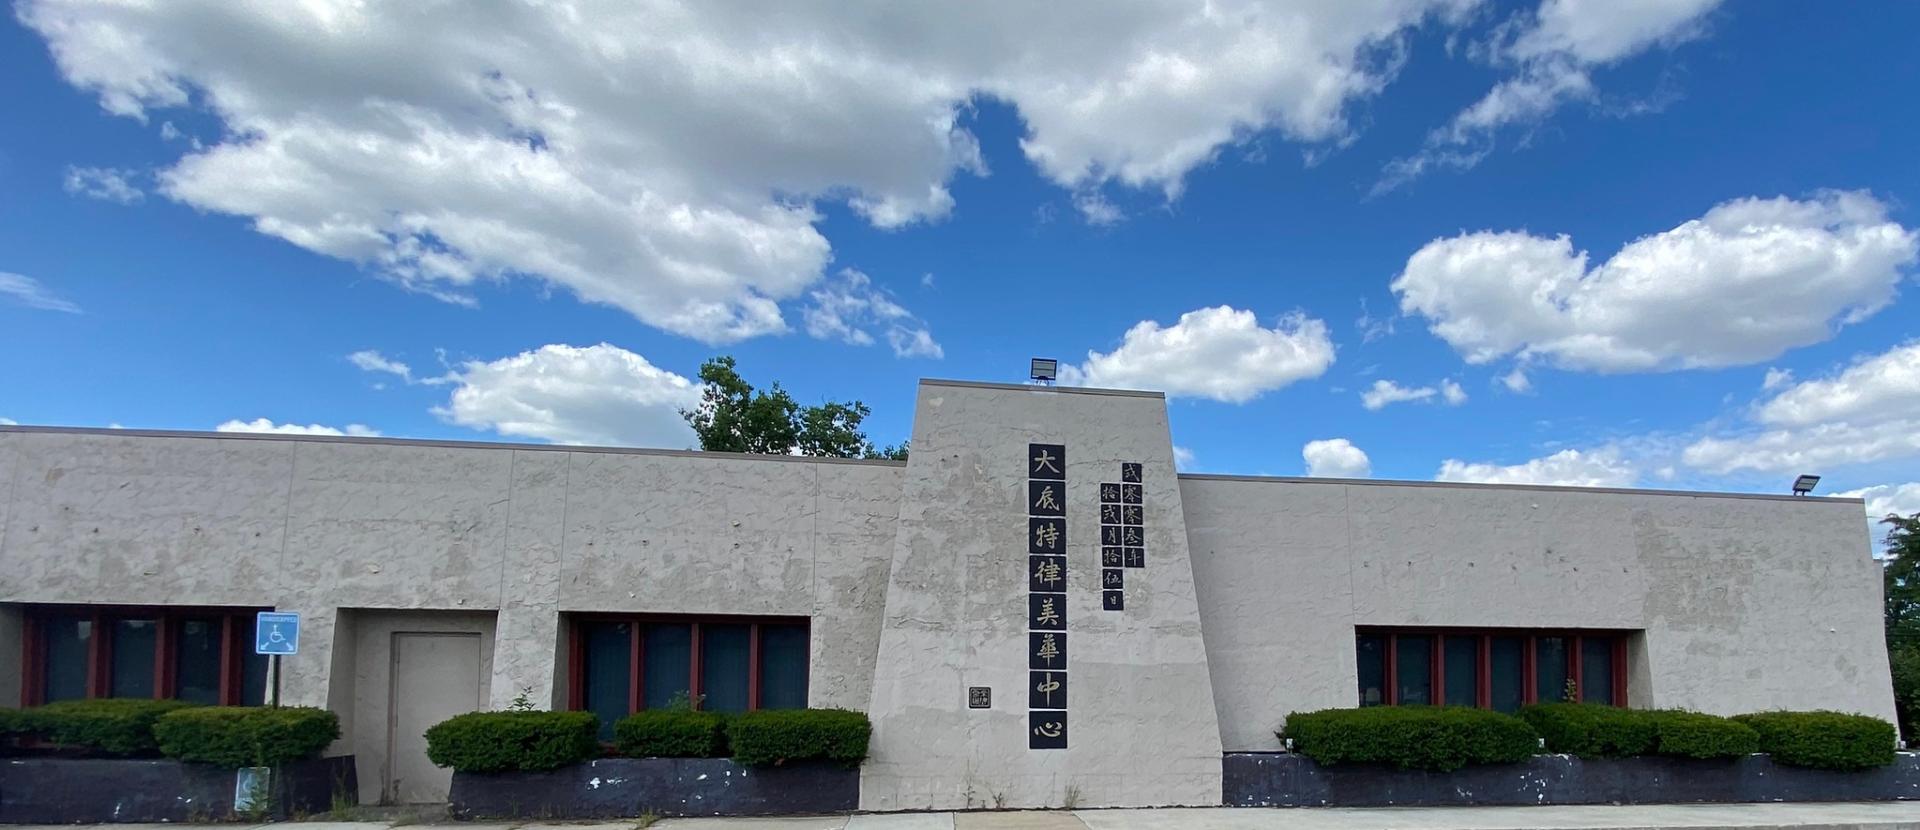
1046 498
1047 650
979 697
1109 493
1046 730
1110 514
1046 573
1132 514
1046 690
1047 612
1135 557
1046 534
1047 461
1111 557
1110 534
1130 493
1113 578
1113 600
1132 537
1130 471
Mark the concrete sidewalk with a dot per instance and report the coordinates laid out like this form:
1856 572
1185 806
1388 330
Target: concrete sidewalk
1896 815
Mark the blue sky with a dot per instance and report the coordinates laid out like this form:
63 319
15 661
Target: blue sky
206 213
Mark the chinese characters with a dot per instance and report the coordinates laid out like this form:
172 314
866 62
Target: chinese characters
1046 596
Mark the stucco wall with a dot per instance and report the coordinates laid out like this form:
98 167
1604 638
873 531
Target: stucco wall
315 525
1747 603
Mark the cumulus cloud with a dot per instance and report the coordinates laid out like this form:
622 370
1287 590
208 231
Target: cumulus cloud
28 292
599 394
1551 54
1220 353
1888 499
1385 392
1182 458
1742 284
8 422
1517 381
268 426
1336 458
1567 468
667 158
849 308
104 183
1867 412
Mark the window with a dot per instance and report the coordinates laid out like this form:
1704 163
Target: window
201 655
624 664
1490 669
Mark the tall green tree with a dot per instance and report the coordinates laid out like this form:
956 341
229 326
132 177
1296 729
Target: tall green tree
1900 569
733 416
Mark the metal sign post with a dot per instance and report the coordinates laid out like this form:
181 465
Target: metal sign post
276 633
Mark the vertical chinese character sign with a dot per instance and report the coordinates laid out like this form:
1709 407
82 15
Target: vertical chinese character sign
1046 596
1122 534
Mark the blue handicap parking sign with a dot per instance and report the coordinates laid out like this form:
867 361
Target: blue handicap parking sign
277 632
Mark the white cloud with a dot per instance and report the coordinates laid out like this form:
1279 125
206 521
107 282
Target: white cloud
1867 412
28 292
1888 499
666 158
104 183
1568 468
1182 458
1336 458
1385 392
1517 381
8 422
1552 54
265 425
600 394
1742 284
1095 208
369 360
1221 353
1776 378
848 306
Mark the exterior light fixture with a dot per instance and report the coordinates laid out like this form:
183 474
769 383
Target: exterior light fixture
1044 370
1804 485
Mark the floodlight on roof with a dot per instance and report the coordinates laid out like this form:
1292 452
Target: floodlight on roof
1044 370
1805 484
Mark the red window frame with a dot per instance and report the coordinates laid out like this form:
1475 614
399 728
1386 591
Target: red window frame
636 660
1483 663
235 623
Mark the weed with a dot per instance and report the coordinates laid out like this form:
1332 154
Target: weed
1071 800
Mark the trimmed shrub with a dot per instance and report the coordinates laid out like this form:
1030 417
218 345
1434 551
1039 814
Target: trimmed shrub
775 736
246 736
671 733
112 726
504 741
1696 735
1411 737
1592 730
1823 740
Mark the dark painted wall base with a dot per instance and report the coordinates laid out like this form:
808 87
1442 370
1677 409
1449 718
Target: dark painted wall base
1284 779
615 787
102 790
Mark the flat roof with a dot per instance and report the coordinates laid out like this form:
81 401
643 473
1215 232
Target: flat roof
881 462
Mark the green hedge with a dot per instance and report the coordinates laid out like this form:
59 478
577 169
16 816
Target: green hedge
1696 735
776 736
246 736
1592 730
671 733
113 726
1411 737
503 741
1823 740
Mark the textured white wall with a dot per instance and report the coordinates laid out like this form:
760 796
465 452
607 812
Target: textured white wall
1748 603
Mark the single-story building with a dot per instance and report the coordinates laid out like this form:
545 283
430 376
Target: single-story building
1035 603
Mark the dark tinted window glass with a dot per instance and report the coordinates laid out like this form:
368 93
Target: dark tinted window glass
608 651
1372 650
669 665
253 676
66 660
1413 655
1507 685
1463 671
196 662
134 642
724 661
1596 669
783 667
1550 669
